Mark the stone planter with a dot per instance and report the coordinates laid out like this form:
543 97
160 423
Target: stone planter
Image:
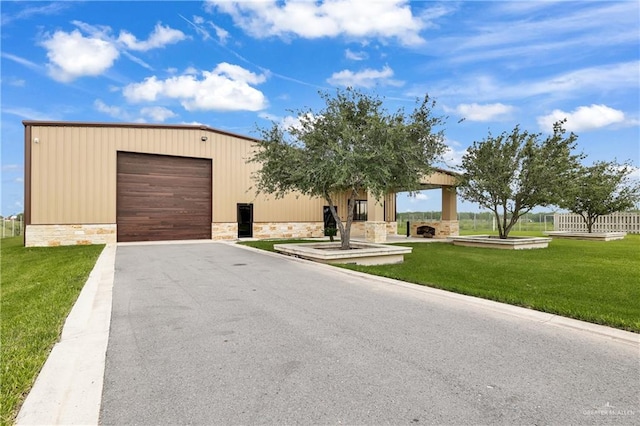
360 253
594 236
511 243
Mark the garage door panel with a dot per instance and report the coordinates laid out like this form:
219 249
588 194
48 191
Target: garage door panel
163 197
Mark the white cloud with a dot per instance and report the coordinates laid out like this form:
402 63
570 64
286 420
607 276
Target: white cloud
222 34
113 111
137 60
366 78
452 157
157 114
74 54
26 13
524 33
485 112
196 24
20 60
355 56
598 79
421 196
332 18
583 118
603 78
190 71
268 116
148 90
160 37
13 81
225 88
417 197
288 121
71 55
30 114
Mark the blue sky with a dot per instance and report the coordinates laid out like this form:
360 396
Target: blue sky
238 65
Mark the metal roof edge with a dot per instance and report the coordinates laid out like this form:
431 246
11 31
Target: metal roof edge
134 125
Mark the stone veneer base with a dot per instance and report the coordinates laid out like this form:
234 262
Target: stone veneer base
267 230
444 228
224 231
79 234
69 235
375 232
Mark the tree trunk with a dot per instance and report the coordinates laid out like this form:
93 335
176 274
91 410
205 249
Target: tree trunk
335 215
345 239
345 229
589 220
503 230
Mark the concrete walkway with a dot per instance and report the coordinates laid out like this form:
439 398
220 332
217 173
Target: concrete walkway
68 389
337 345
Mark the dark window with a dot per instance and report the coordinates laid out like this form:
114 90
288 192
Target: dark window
360 210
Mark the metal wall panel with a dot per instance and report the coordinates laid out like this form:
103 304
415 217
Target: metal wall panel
74 172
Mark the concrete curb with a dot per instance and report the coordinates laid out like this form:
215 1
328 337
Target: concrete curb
68 389
543 318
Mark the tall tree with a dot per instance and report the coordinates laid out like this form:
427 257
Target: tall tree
600 189
352 144
514 172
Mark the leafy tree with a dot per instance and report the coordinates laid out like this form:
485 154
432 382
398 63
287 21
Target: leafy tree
601 189
351 144
512 173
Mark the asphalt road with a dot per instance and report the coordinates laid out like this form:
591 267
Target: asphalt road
218 334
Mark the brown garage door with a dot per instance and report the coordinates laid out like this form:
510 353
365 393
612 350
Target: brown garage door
163 198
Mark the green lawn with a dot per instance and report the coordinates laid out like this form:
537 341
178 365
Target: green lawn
593 281
39 287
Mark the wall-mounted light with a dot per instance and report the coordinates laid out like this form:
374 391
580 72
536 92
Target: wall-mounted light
36 140
203 138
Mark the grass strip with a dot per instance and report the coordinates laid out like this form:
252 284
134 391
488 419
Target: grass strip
39 288
588 280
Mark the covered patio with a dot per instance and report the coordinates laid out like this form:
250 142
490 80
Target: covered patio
375 227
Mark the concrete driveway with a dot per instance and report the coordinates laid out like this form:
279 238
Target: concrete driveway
220 334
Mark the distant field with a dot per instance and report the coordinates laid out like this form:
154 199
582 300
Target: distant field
481 222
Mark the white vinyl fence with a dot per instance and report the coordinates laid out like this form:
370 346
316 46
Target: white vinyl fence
615 222
10 227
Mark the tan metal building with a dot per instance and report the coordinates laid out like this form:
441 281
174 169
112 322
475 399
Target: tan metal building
94 183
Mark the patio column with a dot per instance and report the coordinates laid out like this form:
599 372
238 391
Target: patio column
375 228
449 223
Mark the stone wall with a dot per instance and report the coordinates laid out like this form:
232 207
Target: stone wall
358 229
224 231
69 235
449 228
288 230
444 228
64 235
376 232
